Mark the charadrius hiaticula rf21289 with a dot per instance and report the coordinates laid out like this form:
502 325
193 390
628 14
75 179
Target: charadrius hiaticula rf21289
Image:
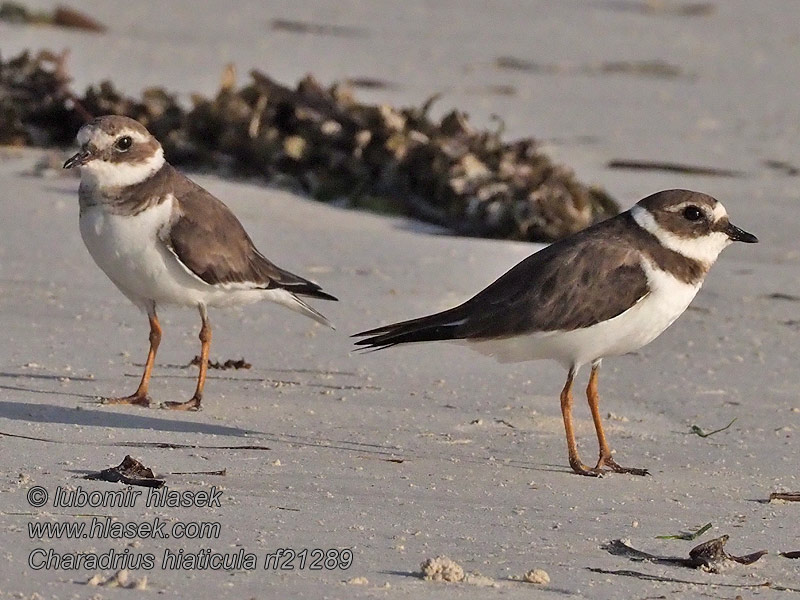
605 291
163 239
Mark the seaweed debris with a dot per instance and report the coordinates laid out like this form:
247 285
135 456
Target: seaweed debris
62 16
130 472
709 556
224 366
321 141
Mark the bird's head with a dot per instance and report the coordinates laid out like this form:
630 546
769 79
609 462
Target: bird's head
690 223
116 152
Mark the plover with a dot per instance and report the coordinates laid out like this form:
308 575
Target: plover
163 239
606 291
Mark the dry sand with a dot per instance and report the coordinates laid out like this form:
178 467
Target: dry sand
412 453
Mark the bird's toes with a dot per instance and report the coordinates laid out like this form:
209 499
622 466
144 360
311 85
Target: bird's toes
599 473
612 466
633 471
581 469
193 404
133 399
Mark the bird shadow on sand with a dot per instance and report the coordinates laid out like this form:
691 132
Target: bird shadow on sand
17 388
43 376
90 414
256 440
50 413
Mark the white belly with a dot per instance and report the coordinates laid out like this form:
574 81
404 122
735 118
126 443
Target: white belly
129 252
628 331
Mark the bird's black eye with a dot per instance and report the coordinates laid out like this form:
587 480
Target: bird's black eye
124 143
692 213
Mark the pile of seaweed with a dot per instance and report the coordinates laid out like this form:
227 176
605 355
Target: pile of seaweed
323 142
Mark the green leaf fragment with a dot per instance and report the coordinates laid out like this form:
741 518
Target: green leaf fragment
687 535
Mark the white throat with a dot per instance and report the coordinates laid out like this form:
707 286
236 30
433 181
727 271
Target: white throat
105 175
705 249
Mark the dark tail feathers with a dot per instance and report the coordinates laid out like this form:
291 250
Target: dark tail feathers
440 326
311 290
298 285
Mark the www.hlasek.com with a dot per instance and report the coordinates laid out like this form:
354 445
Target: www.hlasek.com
108 527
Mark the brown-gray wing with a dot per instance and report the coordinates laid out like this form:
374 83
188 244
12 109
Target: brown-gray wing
211 242
558 291
583 280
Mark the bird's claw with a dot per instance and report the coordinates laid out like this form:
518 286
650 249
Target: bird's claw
192 404
611 465
134 399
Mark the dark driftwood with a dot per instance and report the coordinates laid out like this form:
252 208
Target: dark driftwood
321 141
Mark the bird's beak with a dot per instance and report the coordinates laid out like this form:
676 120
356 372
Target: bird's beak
79 159
739 235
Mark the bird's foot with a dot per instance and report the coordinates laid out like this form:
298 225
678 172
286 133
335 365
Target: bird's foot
192 404
610 464
581 469
135 399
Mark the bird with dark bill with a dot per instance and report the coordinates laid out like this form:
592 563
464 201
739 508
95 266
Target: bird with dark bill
163 239
605 291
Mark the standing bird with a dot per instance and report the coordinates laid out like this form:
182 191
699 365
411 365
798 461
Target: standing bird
605 291
163 239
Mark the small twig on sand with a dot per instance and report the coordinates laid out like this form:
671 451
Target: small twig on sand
695 429
657 165
785 496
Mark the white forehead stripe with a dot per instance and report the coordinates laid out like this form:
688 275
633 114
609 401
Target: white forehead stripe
717 213
84 134
90 133
705 248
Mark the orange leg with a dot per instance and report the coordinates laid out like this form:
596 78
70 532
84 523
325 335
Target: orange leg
605 460
572 446
205 345
140 397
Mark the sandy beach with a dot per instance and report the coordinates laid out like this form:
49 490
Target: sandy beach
406 454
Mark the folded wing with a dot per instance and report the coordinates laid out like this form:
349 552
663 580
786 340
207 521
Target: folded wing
576 283
211 242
